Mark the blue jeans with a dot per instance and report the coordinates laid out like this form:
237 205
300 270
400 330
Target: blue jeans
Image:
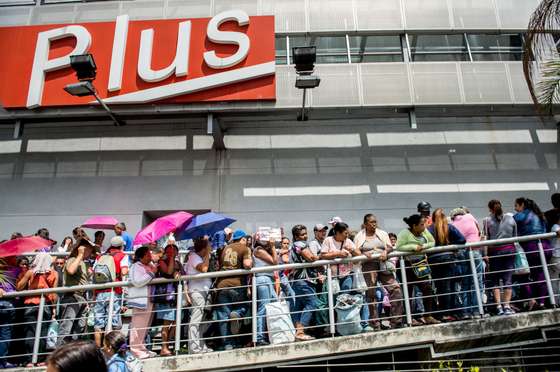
265 294
101 311
289 293
7 316
306 302
468 293
345 287
229 299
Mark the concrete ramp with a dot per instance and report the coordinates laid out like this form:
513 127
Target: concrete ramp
442 339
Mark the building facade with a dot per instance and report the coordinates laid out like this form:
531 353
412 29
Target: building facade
419 100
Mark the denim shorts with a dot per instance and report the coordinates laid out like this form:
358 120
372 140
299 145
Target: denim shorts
165 312
101 311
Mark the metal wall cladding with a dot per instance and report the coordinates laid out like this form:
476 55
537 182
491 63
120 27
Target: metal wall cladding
436 82
427 14
339 86
148 9
287 95
188 9
518 83
14 16
514 14
249 6
385 84
378 14
485 83
96 12
290 15
52 14
474 14
326 15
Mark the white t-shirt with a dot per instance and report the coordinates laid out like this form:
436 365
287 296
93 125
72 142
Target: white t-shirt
196 285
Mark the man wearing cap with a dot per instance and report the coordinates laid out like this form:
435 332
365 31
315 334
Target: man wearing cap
103 296
232 290
423 209
333 221
120 230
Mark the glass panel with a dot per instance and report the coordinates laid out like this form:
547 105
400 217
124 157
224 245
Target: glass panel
438 47
330 49
375 49
280 46
487 47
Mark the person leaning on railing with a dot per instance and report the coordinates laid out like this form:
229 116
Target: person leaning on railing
198 262
530 221
416 239
264 254
139 299
8 274
73 305
443 265
39 276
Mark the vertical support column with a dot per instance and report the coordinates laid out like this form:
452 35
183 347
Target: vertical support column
406 295
110 314
38 327
254 308
551 296
476 283
331 301
178 317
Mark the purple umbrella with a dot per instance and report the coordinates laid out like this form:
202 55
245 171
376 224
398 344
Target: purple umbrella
100 222
204 224
162 226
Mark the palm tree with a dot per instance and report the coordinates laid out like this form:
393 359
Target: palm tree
541 62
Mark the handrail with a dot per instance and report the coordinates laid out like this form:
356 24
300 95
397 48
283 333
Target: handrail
255 270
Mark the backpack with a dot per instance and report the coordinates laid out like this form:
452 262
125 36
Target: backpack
105 270
128 363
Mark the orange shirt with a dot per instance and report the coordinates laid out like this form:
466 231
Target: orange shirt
41 281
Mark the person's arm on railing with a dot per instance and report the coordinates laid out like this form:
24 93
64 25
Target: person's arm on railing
140 276
203 266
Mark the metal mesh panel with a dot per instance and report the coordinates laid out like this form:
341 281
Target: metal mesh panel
515 13
250 6
435 83
14 16
385 84
287 95
339 86
518 83
97 12
330 15
183 9
143 9
289 15
426 14
52 14
474 14
16 2
378 15
485 82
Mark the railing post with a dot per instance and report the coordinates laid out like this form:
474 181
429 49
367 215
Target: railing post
110 314
551 296
332 327
405 292
178 316
37 340
254 308
476 283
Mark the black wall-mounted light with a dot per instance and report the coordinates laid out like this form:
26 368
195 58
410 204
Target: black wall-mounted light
304 60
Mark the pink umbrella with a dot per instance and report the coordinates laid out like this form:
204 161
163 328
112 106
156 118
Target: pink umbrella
26 244
162 226
101 222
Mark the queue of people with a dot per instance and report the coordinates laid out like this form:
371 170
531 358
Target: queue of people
440 285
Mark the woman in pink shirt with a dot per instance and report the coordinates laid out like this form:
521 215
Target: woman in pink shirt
468 226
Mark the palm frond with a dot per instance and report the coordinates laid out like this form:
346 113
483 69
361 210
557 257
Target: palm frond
548 88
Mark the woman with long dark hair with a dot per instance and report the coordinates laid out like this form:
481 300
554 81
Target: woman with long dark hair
416 239
530 221
501 257
443 264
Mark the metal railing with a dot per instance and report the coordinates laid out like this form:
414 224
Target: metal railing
409 300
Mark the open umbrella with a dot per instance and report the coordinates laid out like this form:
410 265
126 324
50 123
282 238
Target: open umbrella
162 226
26 244
204 224
100 222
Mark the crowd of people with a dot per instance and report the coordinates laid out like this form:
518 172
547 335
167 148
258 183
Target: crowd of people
440 284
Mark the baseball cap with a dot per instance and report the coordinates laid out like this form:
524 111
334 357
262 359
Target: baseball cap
117 241
319 227
335 220
238 234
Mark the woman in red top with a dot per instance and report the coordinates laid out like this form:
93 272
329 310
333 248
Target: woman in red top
39 276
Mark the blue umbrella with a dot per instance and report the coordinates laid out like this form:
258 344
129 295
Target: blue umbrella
204 224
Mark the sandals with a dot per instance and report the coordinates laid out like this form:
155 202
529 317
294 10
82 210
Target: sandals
304 337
